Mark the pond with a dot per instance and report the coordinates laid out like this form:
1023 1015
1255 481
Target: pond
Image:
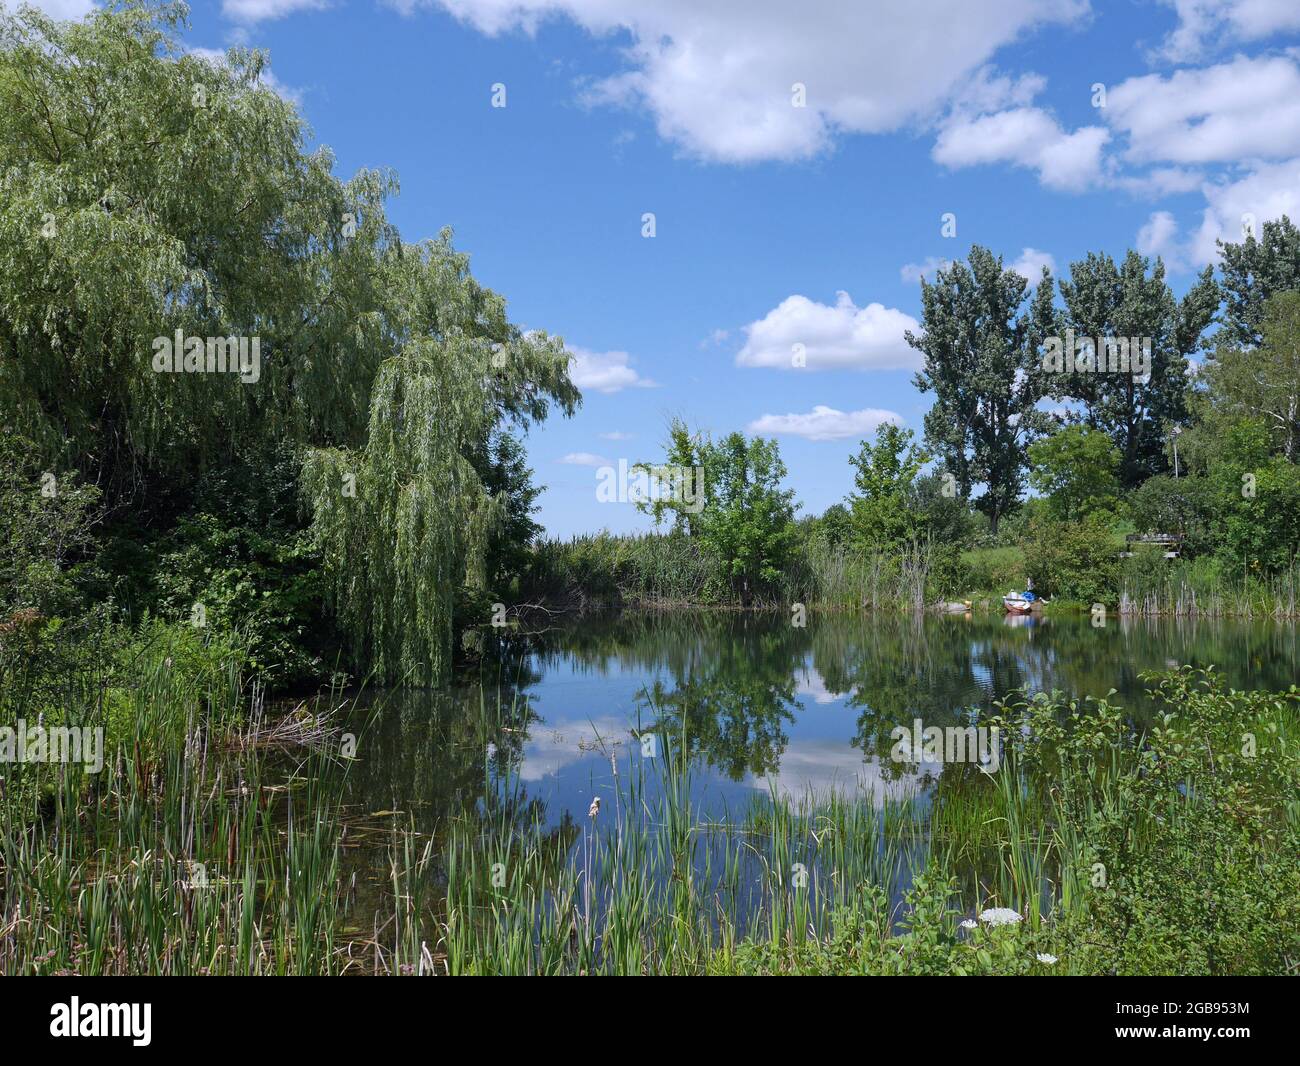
761 705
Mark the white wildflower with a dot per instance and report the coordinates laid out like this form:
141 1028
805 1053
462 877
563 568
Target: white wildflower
1047 960
969 924
1000 916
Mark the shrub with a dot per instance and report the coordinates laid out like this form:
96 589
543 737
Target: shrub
1076 561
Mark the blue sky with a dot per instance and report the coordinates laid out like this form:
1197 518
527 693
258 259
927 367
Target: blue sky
765 213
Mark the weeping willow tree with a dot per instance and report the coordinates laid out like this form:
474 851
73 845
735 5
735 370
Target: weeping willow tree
150 194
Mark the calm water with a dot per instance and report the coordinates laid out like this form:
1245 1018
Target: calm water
762 705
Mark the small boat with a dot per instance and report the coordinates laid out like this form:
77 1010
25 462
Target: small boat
1021 602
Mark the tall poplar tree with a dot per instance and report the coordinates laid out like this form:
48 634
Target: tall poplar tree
1133 301
983 329
1255 270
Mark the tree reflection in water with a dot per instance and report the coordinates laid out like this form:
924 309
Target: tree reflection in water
736 688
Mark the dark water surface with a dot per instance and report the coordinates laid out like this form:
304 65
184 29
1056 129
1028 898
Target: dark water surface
762 705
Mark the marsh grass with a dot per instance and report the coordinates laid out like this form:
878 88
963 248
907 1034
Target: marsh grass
1202 587
220 839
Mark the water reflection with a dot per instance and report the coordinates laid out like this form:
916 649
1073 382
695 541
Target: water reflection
758 703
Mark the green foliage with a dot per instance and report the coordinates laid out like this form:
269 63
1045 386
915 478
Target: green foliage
882 515
748 518
46 525
861 941
380 361
1101 301
1254 271
1076 467
1180 842
834 525
253 582
684 454
1261 531
604 570
1076 560
508 477
995 569
1263 383
982 363
946 517
744 519
1184 505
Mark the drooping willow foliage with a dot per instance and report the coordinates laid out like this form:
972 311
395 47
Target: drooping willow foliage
404 519
145 191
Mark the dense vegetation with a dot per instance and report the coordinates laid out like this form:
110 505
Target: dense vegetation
1206 453
356 499
230 392
253 441
216 843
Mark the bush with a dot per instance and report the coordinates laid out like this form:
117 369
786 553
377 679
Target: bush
1077 561
1181 845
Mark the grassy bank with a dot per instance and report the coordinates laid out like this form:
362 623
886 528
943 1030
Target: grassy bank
658 570
1108 865
220 838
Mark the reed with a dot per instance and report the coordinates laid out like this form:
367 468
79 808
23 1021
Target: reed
219 839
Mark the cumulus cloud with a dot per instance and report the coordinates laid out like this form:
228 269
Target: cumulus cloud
1268 192
1030 264
833 337
1025 137
1159 236
584 459
912 273
1203 22
1245 109
1160 181
717 75
825 423
604 371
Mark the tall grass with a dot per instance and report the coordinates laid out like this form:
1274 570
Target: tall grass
1206 587
219 839
670 569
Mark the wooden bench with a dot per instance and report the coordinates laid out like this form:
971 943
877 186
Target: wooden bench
1171 542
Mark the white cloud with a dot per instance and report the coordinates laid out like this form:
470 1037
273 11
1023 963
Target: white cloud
825 423
617 434
1026 137
604 371
263 10
1203 21
823 768
868 338
717 74
1160 181
1270 191
912 273
1159 236
1030 264
1244 109
584 459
